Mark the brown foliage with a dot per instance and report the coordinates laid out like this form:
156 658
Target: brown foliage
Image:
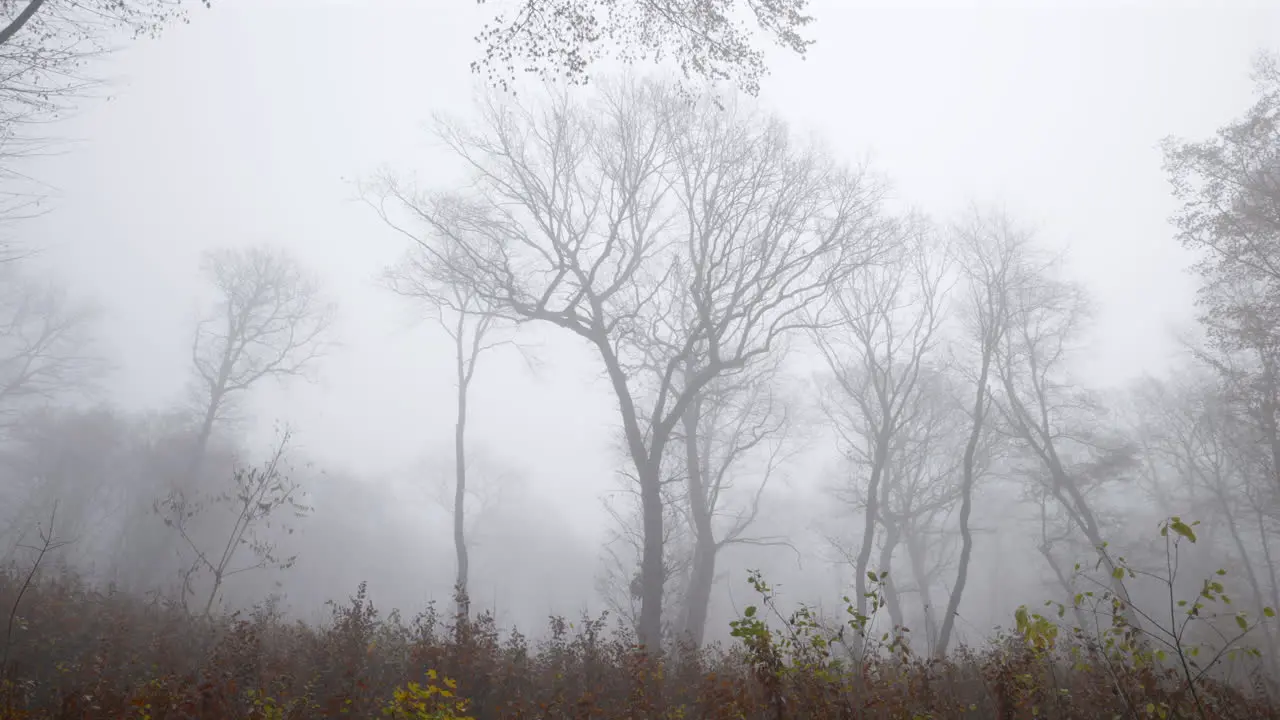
83 653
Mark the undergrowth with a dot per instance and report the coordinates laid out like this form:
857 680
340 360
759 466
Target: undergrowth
79 652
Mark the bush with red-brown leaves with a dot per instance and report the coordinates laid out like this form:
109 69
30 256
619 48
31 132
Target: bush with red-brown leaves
81 653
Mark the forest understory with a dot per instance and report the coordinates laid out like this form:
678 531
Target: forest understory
71 651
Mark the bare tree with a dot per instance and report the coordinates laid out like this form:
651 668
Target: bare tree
921 488
1193 426
619 580
735 438
459 310
45 48
256 498
667 235
44 44
45 344
990 257
270 320
884 326
730 445
564 38
1229 190
1049 417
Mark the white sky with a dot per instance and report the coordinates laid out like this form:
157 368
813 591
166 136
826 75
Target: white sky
250 124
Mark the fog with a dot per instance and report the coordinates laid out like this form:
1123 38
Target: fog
281 124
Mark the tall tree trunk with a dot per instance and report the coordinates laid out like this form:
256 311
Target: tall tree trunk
892 601
652 567
701 581
702 576
879 459
196 462
921 578
969 469
217 394
647 458
190 481
461 592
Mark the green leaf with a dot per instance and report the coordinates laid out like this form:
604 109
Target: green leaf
1244 624
1268 612
1117 573
1183 529
750 611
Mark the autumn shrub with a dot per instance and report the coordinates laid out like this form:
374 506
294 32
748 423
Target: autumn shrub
80 652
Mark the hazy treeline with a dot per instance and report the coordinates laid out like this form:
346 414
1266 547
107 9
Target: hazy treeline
754 302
